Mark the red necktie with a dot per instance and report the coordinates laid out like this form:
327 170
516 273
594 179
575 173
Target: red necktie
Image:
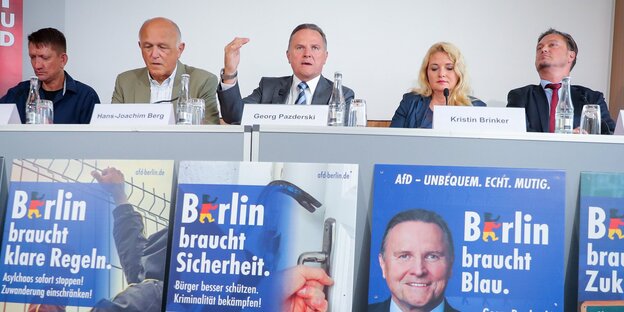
553 105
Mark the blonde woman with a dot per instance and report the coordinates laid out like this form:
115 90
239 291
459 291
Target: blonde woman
443 68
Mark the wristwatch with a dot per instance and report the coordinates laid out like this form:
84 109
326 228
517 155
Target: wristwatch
228 77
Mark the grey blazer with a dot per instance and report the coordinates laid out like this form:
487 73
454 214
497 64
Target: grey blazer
272 90
133 87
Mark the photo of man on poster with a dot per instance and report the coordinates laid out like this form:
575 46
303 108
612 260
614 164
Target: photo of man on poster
416 260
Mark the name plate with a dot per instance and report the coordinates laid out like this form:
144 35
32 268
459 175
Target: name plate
136 114
479 119
619 126
9 114
281 114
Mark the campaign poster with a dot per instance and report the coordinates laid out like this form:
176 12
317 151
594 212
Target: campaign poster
247 236
601 239
467 239
81 234
3 190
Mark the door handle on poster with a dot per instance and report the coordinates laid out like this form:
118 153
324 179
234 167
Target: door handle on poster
322 257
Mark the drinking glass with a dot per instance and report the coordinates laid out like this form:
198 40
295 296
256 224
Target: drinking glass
590 119
45 112
184 113
198 111
357 113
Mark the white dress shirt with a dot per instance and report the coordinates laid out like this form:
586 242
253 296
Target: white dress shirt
160 92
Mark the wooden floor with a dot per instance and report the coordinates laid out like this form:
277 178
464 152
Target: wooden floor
370 123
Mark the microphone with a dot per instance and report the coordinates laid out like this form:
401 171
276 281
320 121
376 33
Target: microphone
584 98
446 95
166 101
605 127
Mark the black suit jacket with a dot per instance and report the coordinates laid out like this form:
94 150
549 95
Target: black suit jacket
272 90
384 306
533 99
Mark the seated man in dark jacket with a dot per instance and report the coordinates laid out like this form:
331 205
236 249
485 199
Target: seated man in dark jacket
555 57
73 101
307 53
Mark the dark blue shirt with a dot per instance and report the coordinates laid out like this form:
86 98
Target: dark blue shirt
74 106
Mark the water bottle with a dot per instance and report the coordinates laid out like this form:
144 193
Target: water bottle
335 115
183 109
564 114
31 102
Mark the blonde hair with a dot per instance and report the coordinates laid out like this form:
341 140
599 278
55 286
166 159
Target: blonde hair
459 94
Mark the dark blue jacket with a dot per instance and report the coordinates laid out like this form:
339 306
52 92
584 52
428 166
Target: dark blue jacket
534 100
73 107
384 306
413 109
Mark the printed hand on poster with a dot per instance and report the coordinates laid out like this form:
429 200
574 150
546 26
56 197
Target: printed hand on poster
304 292
112 181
